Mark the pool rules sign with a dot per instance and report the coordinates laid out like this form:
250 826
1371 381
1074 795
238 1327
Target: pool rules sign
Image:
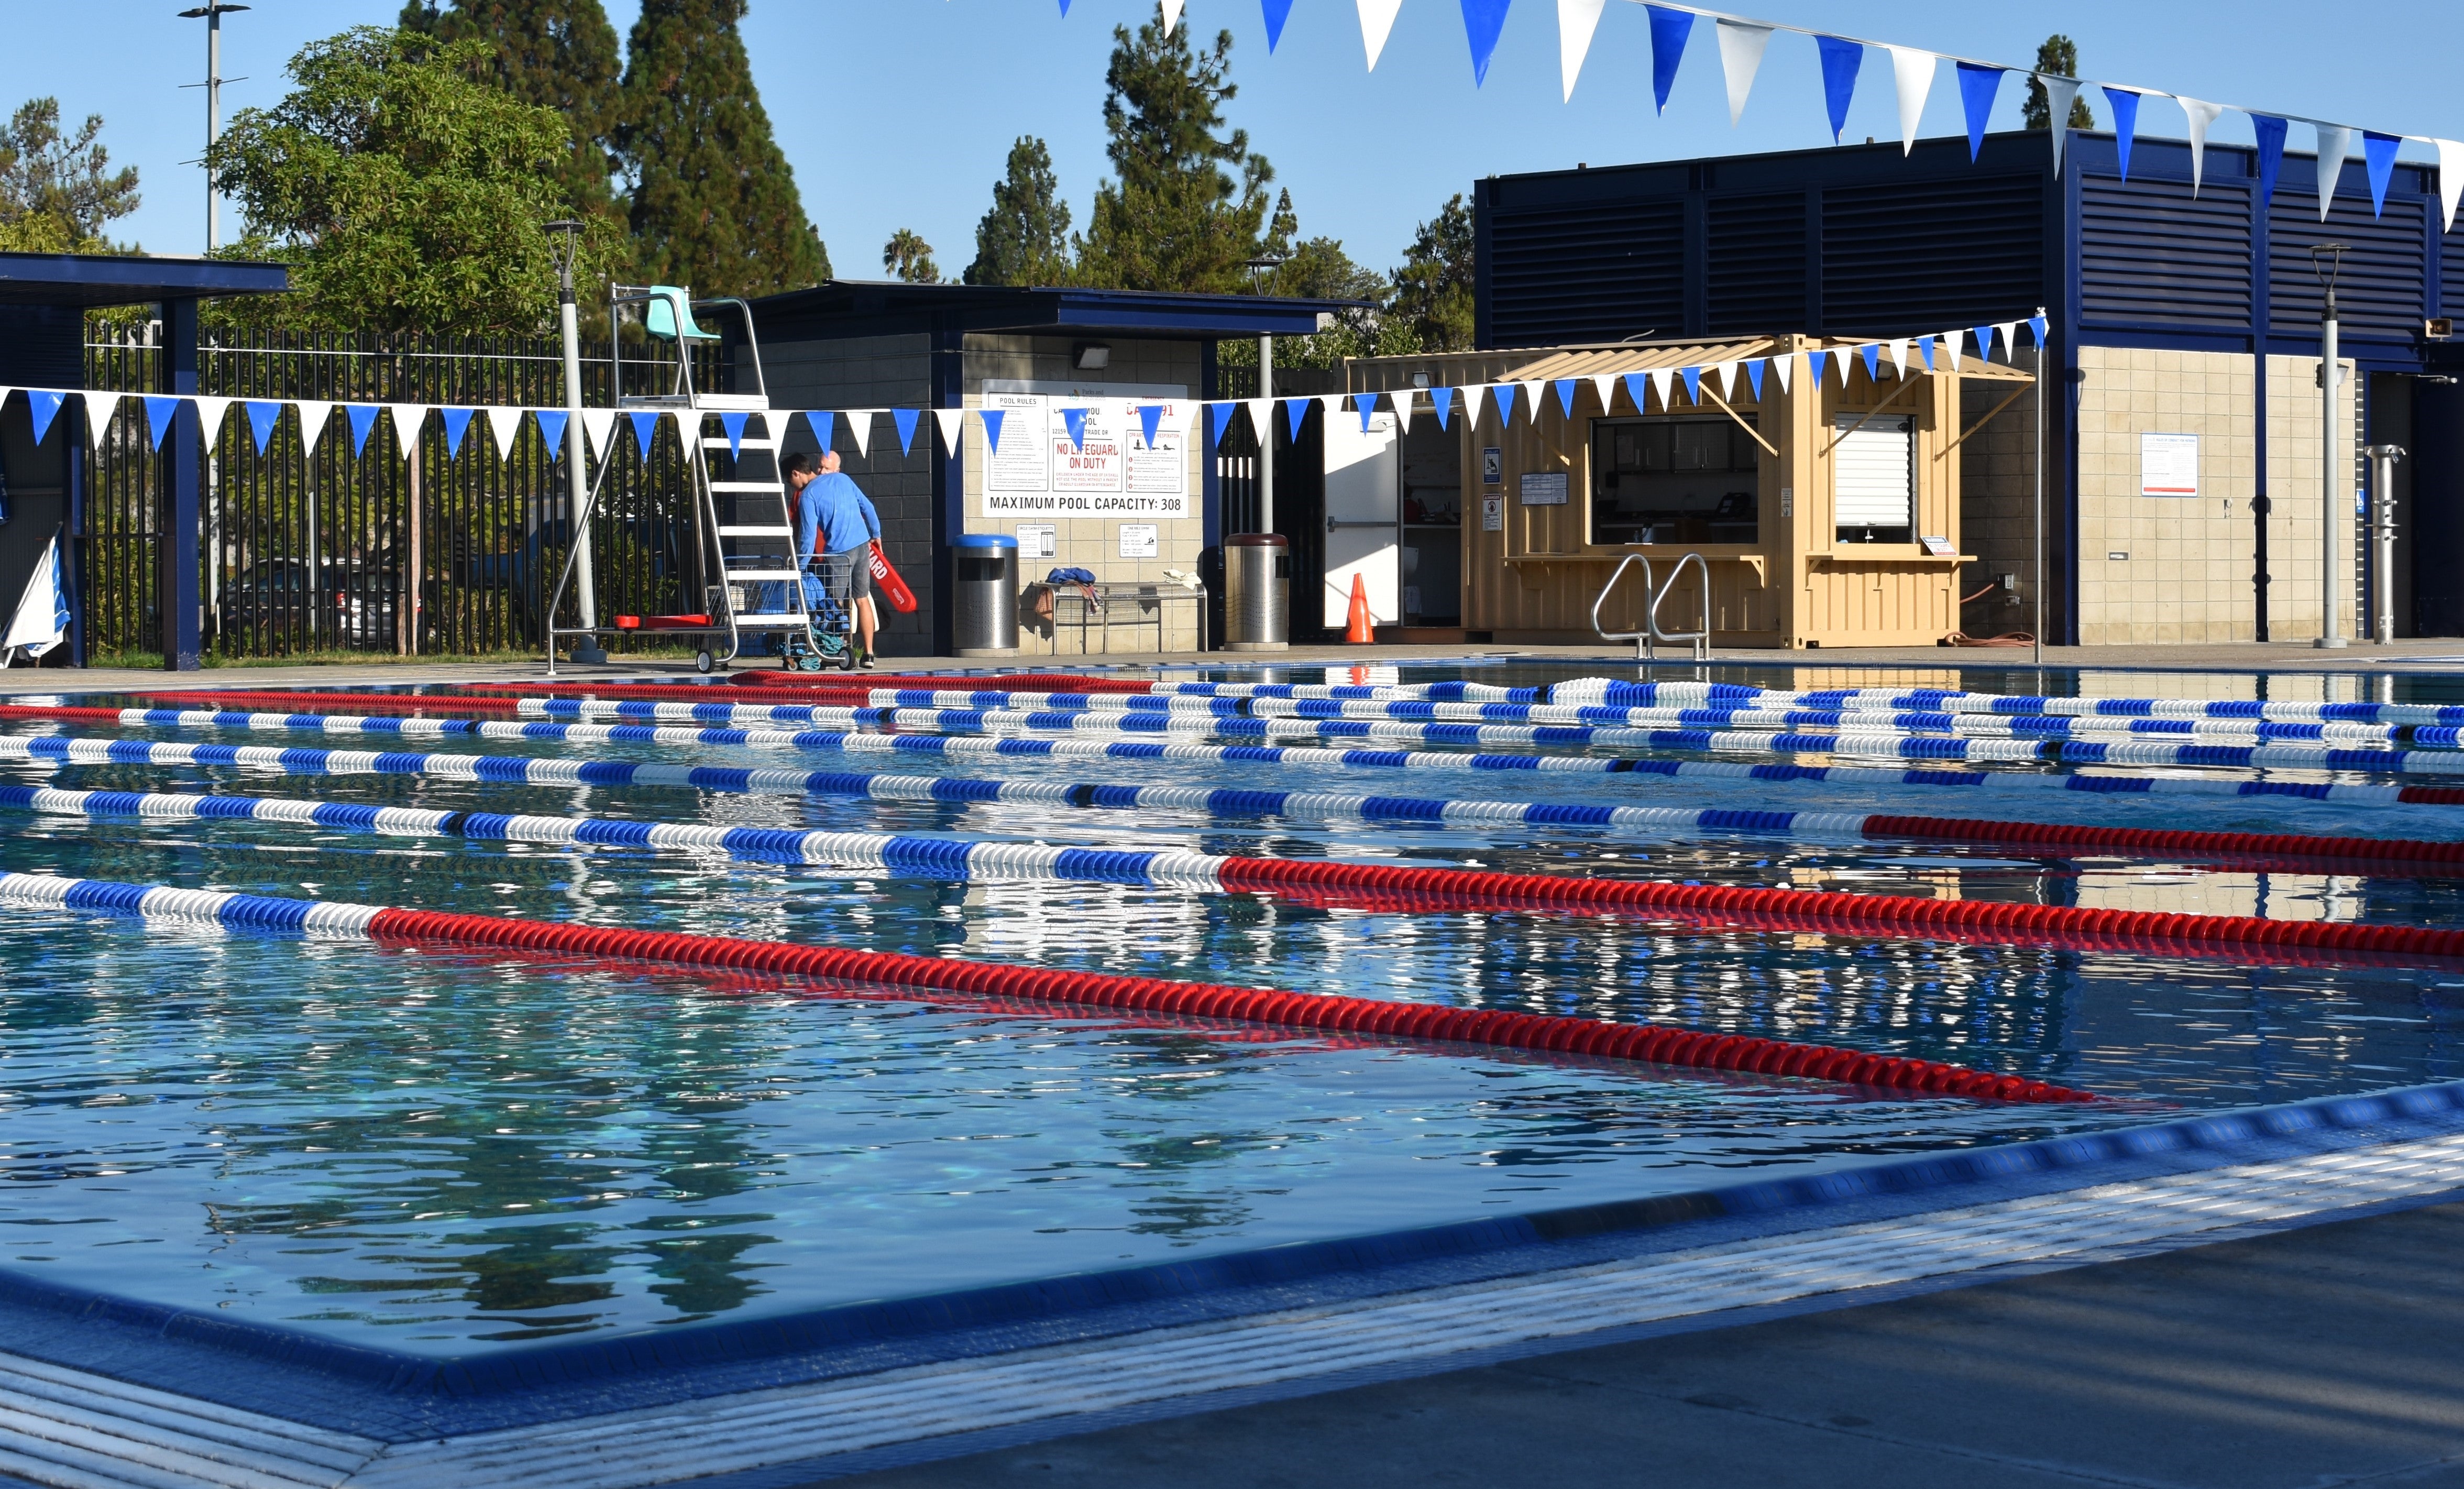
2169 465
1078 456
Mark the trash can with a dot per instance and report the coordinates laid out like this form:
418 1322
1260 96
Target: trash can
1257 592
985 608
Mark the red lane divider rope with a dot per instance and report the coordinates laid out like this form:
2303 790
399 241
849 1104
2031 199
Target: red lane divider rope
1659 1044
271 700
793 686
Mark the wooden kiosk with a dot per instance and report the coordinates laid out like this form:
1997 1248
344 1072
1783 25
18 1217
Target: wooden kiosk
1825 515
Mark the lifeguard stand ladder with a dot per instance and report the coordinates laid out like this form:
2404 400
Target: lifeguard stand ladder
742 510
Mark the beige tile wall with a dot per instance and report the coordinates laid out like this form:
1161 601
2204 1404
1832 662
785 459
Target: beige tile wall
2295 499
2186 577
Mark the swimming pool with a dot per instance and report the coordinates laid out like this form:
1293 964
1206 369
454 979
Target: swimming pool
445 1153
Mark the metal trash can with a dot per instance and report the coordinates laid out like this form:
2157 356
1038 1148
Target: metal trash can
1257 592
985 608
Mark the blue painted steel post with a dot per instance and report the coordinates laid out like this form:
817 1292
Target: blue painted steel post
177 593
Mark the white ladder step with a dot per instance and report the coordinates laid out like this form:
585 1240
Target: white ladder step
757 532
768 622
755 574
770 488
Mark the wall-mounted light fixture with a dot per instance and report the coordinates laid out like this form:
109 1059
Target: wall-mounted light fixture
1091 356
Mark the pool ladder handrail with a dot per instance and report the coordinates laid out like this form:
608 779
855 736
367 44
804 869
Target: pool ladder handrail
1645 641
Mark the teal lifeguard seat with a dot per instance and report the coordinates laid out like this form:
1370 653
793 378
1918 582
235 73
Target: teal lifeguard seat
670 308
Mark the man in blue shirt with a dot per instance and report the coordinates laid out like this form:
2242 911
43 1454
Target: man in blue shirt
833 517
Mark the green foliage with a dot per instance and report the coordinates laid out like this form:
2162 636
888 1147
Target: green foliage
57 193
406 191
714 203
1433 289
554 53
2060 56
1190 199
908 258
1319 269
1024 238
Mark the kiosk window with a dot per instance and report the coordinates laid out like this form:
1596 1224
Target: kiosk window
1674 481
1873 480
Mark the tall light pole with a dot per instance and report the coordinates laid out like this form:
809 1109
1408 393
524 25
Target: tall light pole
2327 259
213 13
565 240
1258 267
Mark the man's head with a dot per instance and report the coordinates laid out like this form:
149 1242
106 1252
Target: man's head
801 468
829 462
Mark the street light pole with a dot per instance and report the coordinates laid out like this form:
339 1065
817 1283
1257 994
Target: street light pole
2325 259
1258 267
212 14
565 243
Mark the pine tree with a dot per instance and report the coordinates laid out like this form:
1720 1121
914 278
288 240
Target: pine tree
552 54
714 203
1175 219
1024 238
909 259
1433 290
57 191
2060 56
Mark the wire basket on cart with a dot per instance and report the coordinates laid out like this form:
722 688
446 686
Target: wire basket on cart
829 636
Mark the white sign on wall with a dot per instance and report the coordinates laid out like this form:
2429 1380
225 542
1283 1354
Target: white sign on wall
1039 540
2169 465
1544 488
1492 514
1138 540
1020 466
1107 470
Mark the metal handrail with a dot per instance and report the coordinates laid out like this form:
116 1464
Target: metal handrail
1646 640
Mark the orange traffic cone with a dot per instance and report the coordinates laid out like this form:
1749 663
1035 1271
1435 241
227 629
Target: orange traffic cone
1356 632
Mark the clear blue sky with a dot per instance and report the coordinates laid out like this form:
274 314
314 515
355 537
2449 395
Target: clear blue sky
900 113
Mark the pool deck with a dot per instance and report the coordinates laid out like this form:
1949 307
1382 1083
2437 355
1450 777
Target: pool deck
2313 1357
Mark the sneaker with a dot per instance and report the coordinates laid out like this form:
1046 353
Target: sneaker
866 661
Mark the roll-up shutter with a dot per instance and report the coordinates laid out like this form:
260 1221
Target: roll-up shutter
1872 472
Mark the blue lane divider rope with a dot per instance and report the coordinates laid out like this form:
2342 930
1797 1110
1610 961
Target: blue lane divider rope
1611 692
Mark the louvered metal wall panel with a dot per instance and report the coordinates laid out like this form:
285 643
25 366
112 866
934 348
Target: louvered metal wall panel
1898 258
1756 268
2380 292
2151 254
1587 274
2451 260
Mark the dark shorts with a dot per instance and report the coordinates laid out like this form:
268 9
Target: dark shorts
860 582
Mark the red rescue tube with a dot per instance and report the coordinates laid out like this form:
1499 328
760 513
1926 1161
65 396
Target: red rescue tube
894 589
1739 1052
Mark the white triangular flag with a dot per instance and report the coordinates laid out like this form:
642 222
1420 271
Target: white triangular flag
1660 381
2061 93
209 418
1899 351
597 424
2451 174
1951 345
1839 359
950 423
1262 417
1577 19
313 414
1471 403
2009 330
1605 385
1377 19
859 423
1531 391
2334 144
1913 71
1171 15
408 419
1729 375
1332 405
1780 367
98 410
1741 57
689 432
1400 401
506 425
2201 116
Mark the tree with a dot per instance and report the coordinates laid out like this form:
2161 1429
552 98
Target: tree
1186 210
405 189
713 202
910 258
2060 56
57 193
1024 238
554 53
1433 290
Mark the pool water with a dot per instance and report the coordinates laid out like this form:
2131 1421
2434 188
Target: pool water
440 1152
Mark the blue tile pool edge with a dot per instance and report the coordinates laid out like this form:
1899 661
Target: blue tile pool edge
302 1377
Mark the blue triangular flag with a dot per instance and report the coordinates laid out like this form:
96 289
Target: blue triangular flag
2036 326
1222 414
1074 420
1840 59
264 413
1565 387
1150 414
363 418
906 419
1365 406
457 423
1483 21
2124 103
2270 130
1064 7
2378 151
646 427
1978 83
734 423
1442 400
44 407
1505 404
159 411
1669 30
1693 377
1753 375
824 426
1278 11
1295 411
551 427
992 418
1985 343
1924 344
1814 361
1635 386
1873 362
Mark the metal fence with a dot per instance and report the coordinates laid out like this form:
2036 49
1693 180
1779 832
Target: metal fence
380 546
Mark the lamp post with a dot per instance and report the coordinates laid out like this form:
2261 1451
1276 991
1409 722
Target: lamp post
564 241
1257 268
212 14
2327 259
